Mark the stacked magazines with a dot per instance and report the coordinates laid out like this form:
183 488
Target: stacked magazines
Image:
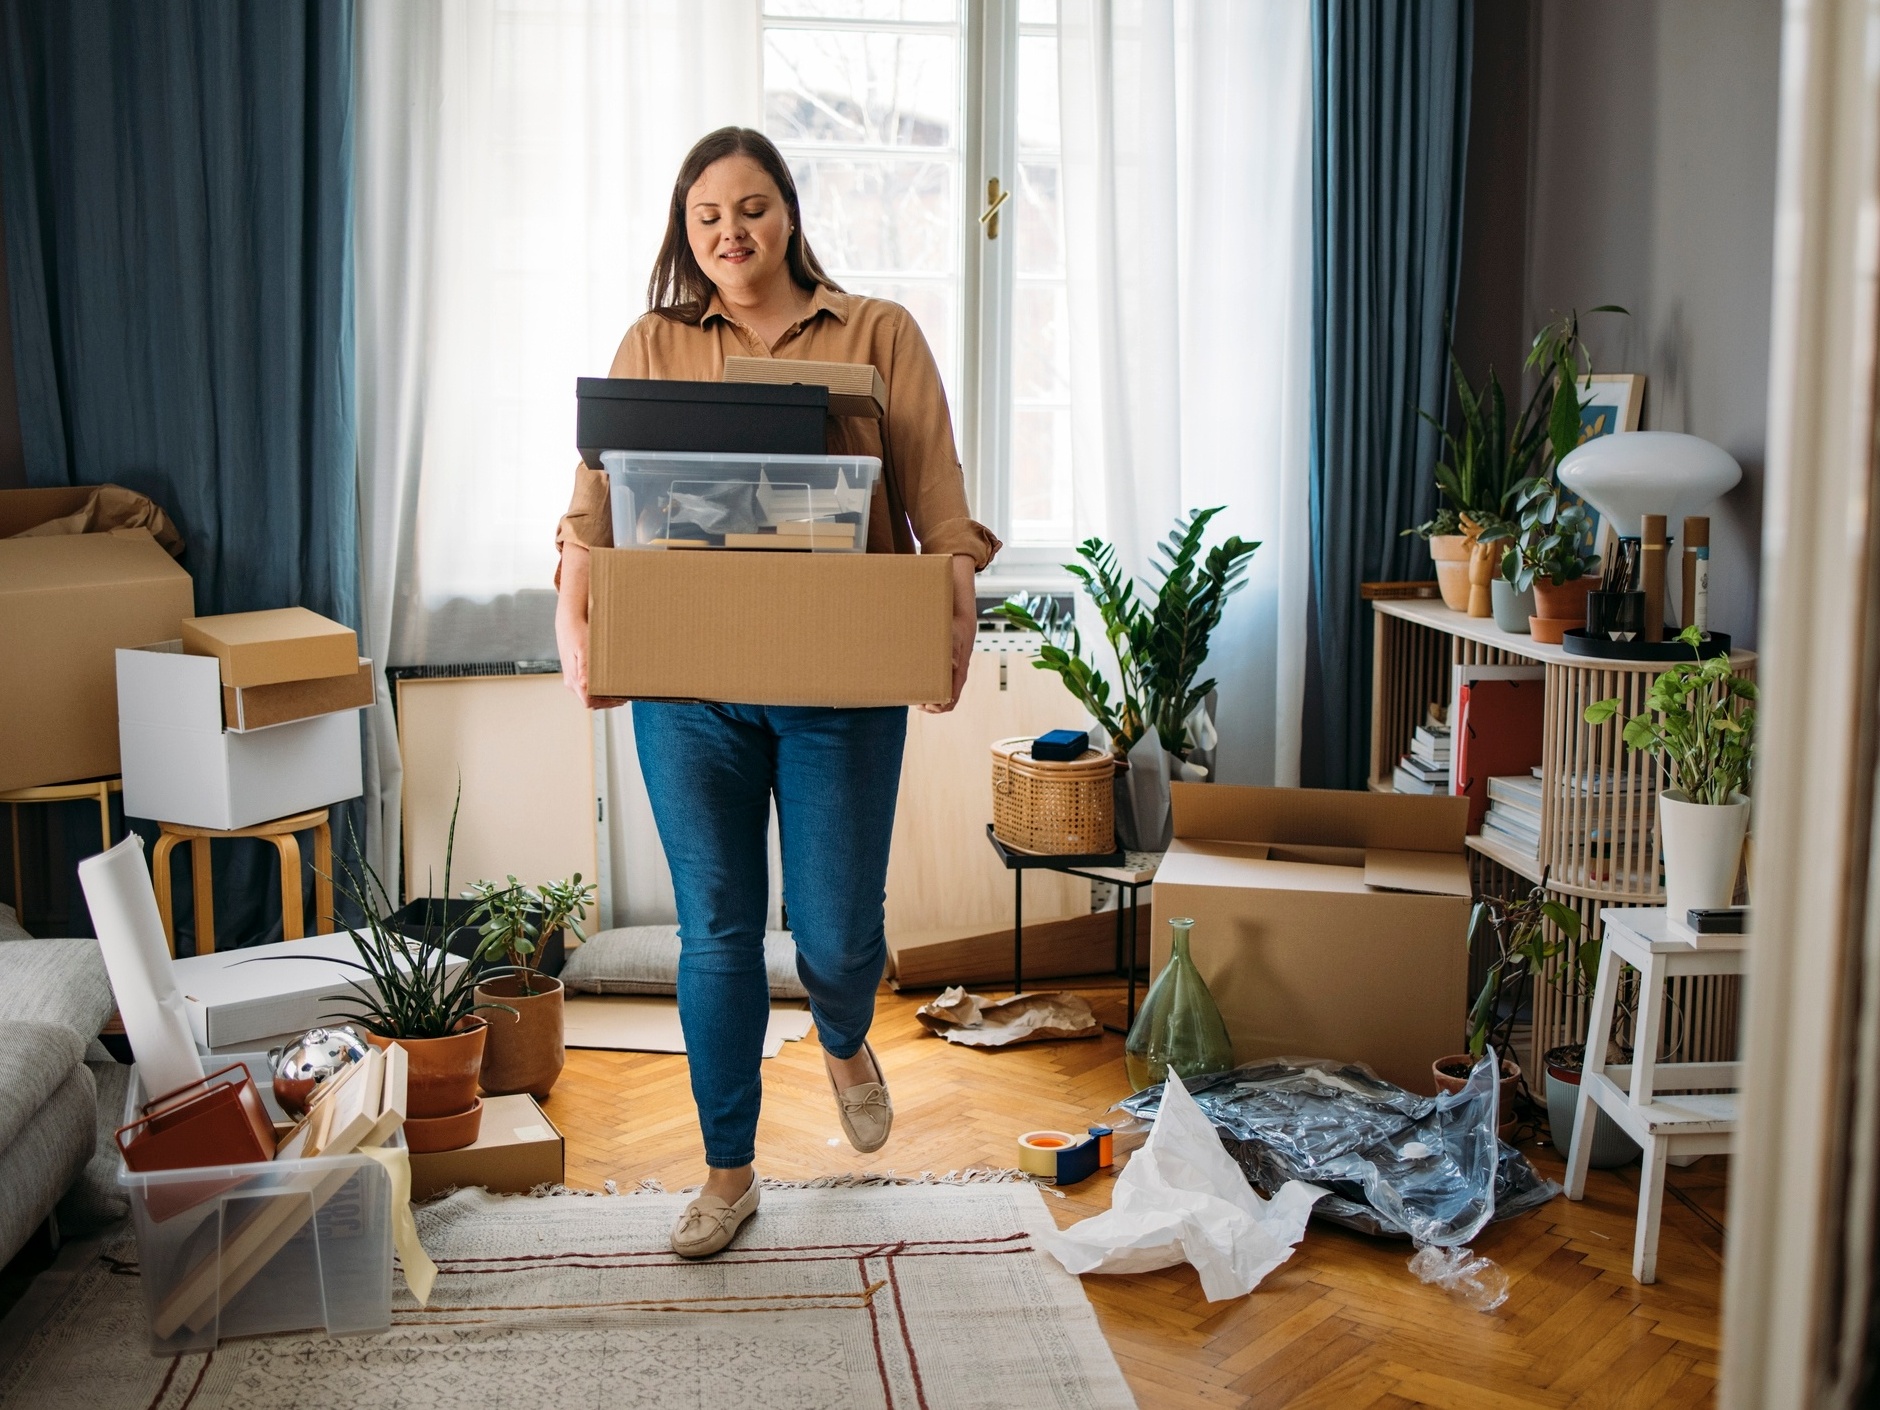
1514 812
1425 769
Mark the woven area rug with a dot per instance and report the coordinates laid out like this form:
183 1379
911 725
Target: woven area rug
897 1297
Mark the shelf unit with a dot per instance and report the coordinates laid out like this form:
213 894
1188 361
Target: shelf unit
1599 846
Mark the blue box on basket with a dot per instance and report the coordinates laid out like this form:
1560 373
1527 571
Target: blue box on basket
1060 746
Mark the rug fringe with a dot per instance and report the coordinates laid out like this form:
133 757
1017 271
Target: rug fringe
867 1179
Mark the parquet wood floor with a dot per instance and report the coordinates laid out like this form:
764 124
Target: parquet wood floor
1342 1325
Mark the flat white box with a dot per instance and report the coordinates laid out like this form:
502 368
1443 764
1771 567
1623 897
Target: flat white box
260 993
180 765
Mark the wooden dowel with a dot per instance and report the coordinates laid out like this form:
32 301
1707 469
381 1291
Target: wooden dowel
1652 574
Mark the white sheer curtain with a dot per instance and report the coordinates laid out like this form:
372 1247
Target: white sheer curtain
1187 142
514 162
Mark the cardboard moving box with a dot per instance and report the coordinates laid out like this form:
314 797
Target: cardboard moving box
67 603
516 1150
266 648
1327 924
771 628
181 765
855 388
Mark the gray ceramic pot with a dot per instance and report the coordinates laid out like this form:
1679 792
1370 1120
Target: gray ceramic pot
1611 1146
1512 609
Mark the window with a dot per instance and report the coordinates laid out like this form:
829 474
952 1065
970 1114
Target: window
895 115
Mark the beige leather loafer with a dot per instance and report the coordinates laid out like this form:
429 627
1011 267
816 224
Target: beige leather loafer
708 1223
867 1113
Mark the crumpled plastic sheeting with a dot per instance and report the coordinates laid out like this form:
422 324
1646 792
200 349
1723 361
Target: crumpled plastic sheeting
1480 1283
1394 1163
1180 1199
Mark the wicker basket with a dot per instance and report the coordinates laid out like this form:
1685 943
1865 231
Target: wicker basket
1049 808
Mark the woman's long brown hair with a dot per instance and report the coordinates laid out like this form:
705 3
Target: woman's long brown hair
679 289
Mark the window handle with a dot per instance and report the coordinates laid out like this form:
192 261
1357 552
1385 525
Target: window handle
994 199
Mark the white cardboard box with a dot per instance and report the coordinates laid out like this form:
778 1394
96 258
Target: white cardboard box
256 995
180 765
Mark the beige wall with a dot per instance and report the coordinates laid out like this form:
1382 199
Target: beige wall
1653 186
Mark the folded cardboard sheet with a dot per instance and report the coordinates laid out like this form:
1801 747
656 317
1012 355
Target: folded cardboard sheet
1326 924
67 603
266 648
643 1024
771 628
259 706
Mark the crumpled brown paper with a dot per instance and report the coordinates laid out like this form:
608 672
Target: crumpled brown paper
979 1022
113 507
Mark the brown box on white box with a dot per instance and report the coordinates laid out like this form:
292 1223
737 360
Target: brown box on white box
771 628
1327 924
67 603
270 647
258 706
516 1149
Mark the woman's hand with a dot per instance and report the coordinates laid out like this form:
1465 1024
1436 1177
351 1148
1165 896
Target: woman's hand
571 626
965 629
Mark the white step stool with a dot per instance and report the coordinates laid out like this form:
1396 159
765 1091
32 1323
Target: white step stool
1690 1123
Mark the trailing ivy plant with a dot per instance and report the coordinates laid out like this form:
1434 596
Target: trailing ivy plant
1159 644
1700 719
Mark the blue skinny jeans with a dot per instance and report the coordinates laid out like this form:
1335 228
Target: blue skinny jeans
710 771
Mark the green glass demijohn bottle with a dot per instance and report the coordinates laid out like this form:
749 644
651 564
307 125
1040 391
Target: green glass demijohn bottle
1178 1025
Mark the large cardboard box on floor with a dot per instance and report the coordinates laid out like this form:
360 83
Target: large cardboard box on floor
1327 924
771 628
67 603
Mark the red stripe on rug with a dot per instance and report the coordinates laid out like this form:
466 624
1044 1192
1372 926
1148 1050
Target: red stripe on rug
907 1339
874 1330
202 1371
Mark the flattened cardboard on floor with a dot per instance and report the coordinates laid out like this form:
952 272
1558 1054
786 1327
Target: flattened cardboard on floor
771 628
1327 924
258 706
517 1148
67 603
266 648
855 388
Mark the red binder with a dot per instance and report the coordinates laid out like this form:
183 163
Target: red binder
1497 730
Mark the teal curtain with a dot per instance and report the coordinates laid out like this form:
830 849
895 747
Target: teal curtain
177 179
1390 88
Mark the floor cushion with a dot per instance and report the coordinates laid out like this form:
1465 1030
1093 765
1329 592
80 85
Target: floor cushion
644 959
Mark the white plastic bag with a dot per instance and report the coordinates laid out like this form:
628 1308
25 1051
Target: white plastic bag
1182 1198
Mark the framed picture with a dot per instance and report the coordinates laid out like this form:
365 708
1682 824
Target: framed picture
1611 402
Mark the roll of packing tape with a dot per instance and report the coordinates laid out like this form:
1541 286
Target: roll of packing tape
1038 1152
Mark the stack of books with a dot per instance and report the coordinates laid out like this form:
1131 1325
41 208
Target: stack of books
1425 769
1514 812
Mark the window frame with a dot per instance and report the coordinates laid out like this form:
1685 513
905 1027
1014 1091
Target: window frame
989 33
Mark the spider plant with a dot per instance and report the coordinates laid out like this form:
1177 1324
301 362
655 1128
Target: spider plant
1159 644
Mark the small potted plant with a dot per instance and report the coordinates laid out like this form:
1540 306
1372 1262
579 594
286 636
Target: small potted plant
1518 930
524 1052
1565 1064
1700 720
1159 647
417 994
1549 557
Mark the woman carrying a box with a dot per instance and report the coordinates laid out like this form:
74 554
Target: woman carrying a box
735 277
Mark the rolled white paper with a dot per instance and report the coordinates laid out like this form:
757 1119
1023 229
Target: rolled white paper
137 957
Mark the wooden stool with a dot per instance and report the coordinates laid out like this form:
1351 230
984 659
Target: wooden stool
98 789
281 833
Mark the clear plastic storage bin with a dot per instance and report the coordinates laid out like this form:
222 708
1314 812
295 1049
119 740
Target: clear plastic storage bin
244 1250
807 503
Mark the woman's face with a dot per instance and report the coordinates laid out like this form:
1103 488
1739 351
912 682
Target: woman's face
739 228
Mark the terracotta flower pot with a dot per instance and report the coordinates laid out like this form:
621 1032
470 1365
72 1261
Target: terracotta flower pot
1451 552
1563 601
1504 1097
425 1134
443 1080
1550 631
524 1053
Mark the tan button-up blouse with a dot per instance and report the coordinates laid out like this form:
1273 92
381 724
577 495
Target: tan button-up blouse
921 506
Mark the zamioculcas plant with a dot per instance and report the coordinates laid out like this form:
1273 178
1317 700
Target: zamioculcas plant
1159 645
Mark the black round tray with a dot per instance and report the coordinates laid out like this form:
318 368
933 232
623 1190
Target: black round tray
1579 642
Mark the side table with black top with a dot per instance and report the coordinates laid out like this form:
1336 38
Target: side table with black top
1128 872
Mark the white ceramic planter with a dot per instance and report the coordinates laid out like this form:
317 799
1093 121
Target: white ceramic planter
1703 848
